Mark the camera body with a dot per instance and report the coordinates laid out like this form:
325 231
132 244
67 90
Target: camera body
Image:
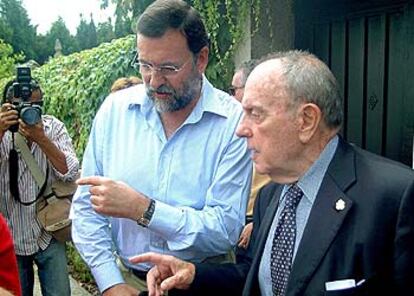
29 112
22 88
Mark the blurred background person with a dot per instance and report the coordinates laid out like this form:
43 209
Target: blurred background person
125 82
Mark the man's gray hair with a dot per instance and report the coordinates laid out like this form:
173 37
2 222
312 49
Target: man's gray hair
308 79
246 68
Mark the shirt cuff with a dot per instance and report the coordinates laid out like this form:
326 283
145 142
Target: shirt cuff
165 219
107 275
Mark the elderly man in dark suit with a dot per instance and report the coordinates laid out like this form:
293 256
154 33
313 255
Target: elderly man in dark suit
337 221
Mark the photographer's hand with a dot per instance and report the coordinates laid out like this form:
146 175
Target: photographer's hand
36 133
8 117
33 133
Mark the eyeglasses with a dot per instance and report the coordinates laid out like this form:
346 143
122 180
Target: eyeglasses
148 69
232 89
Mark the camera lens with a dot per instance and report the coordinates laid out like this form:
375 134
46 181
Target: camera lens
31 114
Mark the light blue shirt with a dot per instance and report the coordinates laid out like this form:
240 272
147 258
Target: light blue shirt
309 183
200 178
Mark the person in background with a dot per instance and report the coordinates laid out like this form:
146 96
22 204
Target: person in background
9 275
337 221
125 82
163 167
240 77
258 180
52 149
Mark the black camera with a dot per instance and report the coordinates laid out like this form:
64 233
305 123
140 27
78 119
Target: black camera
22 87
29 112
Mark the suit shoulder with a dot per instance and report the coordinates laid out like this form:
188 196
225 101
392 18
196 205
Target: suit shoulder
383 169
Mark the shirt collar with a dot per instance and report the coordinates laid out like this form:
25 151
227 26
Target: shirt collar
209 101
311 181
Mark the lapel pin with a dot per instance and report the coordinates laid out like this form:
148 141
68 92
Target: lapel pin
340 205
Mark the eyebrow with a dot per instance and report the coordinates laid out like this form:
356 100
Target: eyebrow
253 106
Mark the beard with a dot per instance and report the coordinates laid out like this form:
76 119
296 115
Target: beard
178 99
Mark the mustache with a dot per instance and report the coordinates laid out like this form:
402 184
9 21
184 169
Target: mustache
161 89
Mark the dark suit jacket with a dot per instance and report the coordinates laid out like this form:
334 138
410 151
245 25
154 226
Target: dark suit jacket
371 239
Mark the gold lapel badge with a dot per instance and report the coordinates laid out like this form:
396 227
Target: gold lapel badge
340 205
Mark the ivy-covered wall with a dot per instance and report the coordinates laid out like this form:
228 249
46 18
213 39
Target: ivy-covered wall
74 86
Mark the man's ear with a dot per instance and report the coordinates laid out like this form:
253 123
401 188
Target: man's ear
310 117
202 60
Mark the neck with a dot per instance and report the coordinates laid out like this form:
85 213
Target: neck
171 121
312 152
309 154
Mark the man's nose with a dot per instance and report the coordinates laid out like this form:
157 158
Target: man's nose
243 130
155 79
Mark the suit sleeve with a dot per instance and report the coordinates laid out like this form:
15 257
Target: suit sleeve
404 243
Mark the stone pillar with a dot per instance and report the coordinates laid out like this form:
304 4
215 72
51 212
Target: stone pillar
58 48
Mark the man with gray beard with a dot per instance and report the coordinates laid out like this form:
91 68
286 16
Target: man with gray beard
164 170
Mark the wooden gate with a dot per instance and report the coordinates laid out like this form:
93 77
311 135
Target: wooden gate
370 49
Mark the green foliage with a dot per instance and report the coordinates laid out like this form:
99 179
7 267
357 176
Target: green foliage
74 86
61 32
224 20
93 37
19 33
123 22
16 30
8 59
105 32
86 34
45 45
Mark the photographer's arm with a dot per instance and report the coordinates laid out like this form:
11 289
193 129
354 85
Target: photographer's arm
37 134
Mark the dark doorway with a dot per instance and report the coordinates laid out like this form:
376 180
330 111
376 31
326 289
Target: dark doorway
369 45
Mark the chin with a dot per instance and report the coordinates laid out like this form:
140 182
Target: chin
260 169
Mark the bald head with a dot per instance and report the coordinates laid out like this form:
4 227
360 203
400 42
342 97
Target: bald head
306 80
267 76
292 109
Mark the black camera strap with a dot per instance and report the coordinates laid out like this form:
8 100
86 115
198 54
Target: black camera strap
40 178
14 171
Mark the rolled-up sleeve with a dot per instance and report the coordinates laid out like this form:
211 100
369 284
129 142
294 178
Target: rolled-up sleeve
60 137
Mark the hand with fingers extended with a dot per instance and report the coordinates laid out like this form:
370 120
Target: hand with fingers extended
115 198
167 273
8 117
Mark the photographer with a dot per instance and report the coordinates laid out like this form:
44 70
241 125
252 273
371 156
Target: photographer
51 146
